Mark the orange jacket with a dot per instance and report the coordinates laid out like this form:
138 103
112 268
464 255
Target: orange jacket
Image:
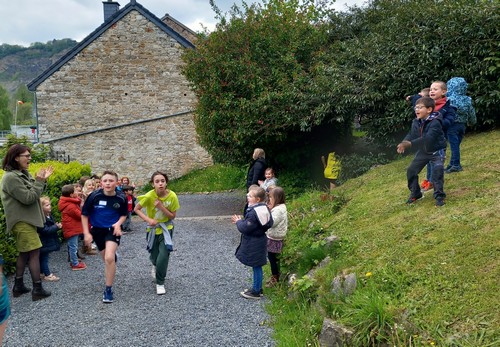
71 216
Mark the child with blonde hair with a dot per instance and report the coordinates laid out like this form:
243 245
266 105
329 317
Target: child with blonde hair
253 245
49 236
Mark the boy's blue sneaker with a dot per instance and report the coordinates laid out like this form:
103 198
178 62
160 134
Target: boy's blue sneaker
411 200
439 202
107 296
454 169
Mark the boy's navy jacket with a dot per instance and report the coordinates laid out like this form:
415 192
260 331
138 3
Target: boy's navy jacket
428 134
252 250
448 115
49 236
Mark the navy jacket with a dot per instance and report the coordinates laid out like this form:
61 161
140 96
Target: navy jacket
256 171
252 250
448 115
49 236
427 135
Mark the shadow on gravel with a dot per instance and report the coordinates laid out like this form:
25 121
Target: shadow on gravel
211 204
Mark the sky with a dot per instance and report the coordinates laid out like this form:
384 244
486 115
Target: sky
23 22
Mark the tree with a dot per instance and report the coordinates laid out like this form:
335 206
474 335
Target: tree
255 80
390 49
5 113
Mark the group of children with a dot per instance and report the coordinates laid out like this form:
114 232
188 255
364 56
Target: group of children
442 113
263 227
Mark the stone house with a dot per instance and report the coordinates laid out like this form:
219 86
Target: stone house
118 100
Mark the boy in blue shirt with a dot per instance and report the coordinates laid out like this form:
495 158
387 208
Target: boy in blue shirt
427 137
106 211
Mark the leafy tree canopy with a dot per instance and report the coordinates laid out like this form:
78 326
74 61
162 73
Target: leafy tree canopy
254 78
390 49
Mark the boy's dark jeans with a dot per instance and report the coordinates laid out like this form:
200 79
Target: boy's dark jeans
455 135
421 159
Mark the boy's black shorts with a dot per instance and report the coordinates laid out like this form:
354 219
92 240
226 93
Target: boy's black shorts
101 235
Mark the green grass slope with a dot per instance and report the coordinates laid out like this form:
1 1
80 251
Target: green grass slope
432 272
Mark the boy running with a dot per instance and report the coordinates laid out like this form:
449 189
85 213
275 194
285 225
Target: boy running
106 211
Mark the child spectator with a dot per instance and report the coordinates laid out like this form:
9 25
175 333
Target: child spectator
129 194
412 99
253 245
49 237
427 137
276 233
69 205
88 188
442 105
270 180
331 169
106 211
465 115
97 181
4 301
161 206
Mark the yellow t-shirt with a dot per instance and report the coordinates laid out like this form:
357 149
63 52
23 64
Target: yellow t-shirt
170 201
332 169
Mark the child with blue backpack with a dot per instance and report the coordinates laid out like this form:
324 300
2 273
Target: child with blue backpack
465 115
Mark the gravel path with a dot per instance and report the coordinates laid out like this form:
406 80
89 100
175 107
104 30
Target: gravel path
202 306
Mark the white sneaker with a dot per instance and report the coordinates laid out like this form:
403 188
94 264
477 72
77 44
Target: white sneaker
160 289
153 272
93 246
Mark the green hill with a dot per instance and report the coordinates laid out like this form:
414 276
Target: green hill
20 65
425 275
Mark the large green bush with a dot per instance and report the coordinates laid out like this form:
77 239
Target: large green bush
390 49
254 79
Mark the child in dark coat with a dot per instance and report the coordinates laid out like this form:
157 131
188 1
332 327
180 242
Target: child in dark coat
49 237
252 250
427 137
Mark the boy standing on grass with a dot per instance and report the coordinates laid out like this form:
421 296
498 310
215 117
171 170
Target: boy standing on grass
427 136
106 211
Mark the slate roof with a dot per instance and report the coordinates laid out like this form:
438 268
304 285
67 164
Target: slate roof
132 5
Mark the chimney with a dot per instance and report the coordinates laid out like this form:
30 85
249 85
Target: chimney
110 8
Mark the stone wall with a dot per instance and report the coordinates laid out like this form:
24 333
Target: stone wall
131 73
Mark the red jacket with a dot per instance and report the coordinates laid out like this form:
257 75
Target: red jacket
71 216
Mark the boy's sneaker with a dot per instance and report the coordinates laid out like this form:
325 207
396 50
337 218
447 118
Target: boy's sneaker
249 294
439 202
454 169
411 200
80 266
160 289
429 186
425 184
107 296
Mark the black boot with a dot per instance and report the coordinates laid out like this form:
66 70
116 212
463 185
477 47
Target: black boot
19 287
38 292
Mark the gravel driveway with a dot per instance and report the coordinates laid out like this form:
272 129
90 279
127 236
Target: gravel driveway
202 306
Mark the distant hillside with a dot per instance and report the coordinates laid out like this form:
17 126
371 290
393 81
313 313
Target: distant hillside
20 65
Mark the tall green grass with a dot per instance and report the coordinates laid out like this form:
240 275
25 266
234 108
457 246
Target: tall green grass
426 275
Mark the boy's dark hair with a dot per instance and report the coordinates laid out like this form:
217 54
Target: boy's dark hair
426 102
126 188
156 173
67 190
109 172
